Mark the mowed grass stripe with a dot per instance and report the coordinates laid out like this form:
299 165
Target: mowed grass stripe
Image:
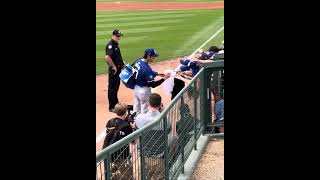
201 36
146 13
173 31
134 23
169 33
126 19
217 41
175 28
133 30
167 42
167 45
165 53
126 41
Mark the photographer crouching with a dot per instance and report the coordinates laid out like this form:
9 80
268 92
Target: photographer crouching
116 129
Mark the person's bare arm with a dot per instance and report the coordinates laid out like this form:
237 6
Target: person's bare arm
195 56
204 61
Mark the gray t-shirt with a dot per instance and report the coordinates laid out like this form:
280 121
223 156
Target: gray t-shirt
144 119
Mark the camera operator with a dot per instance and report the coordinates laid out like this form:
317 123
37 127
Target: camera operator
118 128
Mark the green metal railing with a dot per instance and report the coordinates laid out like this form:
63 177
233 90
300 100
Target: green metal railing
214 73
160 149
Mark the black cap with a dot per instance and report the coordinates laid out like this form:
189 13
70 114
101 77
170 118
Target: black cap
117 33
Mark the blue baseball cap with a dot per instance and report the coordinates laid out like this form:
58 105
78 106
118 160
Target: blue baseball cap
151 52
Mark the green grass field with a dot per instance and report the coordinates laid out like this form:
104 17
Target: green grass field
170 33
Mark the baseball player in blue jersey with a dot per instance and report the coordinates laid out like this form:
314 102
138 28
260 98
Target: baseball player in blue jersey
142 89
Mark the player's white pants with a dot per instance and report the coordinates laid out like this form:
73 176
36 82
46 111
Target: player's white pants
141 99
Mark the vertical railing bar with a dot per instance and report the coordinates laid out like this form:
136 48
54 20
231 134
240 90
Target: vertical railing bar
195 113
182 134
166 152
108 173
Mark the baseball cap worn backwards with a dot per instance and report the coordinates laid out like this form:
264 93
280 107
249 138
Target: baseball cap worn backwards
117 33
150 52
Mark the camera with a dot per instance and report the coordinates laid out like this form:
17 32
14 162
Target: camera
130 116
161 107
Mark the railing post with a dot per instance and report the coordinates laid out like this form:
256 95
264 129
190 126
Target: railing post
195 113
182 133
108 168
203 103
142 167
166 147
219 82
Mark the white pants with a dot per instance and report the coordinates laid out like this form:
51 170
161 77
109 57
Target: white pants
141 99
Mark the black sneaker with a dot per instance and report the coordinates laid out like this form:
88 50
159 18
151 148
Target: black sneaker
112 110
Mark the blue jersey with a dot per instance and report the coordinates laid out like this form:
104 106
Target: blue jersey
206 55
145 73
187 64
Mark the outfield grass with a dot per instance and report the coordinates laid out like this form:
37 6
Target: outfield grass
171 33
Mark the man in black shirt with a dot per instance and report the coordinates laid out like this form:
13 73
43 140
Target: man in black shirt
115 63
116 129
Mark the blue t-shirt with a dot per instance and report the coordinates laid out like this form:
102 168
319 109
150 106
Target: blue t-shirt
206 55
145 73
